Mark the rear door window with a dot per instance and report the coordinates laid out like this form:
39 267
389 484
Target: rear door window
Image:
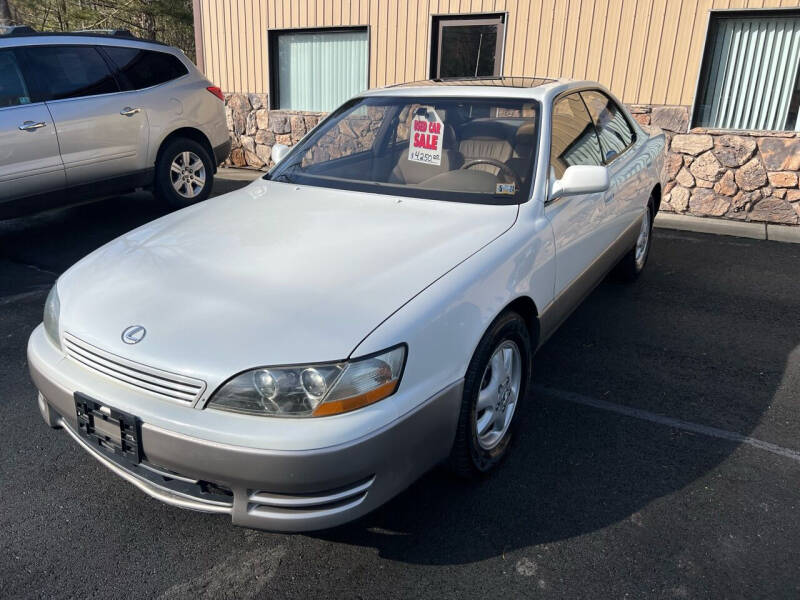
612 127
574 139
13 90
69 72
141 69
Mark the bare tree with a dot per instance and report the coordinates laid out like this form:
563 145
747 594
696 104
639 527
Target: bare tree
5 13
169 21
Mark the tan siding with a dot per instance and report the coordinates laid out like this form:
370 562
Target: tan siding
646 51
586 18
665 58
619 70
392 8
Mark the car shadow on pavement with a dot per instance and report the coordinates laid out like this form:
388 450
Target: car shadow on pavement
52 241
683 342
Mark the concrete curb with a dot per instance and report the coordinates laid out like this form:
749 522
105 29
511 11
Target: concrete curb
783 233
239 174
757 231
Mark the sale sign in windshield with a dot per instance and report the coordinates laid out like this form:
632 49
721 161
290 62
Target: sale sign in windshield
425 145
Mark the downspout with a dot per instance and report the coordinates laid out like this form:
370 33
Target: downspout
198 36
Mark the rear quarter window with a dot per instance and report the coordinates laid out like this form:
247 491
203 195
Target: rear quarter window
141 69
613 129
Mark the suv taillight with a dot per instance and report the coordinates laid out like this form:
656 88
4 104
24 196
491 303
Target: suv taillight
216 91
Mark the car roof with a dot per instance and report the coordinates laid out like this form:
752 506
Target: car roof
535 88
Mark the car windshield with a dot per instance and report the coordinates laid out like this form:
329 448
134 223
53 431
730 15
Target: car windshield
460 149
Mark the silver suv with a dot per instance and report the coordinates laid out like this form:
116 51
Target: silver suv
85 114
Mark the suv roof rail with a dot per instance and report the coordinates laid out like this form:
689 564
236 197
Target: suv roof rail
123 33
15 29
23 31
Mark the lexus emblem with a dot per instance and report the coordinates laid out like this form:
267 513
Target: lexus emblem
133 334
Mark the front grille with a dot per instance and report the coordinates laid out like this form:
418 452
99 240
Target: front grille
155 381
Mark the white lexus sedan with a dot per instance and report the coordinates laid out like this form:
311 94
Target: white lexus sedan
296 353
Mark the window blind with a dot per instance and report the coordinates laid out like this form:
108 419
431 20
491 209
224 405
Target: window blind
319 70
751 73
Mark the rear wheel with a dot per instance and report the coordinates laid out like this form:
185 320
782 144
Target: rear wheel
184 173
633 263
494 387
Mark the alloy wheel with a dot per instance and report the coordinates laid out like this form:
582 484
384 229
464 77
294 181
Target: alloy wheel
643 241
187 174
498 395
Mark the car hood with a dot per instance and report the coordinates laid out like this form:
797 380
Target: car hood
271 274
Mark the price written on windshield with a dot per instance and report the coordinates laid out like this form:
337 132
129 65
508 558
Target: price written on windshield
426 139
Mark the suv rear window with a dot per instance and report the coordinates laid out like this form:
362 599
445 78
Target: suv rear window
69 72
145 68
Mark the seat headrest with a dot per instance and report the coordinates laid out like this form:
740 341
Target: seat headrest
526 135
448 138
487 129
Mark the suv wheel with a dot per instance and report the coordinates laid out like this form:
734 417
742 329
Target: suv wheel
184 173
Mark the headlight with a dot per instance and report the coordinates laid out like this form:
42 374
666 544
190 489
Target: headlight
313 390
52 309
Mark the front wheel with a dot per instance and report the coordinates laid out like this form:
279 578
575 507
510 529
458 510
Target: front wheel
184 173
494 388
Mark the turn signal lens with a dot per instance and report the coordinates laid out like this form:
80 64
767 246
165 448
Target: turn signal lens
364 382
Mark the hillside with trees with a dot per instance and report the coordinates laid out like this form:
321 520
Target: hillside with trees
168 21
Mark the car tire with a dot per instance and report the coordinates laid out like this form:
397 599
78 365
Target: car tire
184 173
633 263
478 450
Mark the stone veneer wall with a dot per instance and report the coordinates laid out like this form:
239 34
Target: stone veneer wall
739 175
255 129
744 176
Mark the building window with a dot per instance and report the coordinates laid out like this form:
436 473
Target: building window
467 46
317 70
749 78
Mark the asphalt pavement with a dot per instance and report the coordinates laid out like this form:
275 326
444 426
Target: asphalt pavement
659 456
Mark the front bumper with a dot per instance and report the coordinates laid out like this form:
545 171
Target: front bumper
277 490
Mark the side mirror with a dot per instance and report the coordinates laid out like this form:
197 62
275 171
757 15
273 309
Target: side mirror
580 179
279 152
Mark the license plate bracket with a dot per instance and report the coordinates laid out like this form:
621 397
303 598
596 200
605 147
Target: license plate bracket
109 429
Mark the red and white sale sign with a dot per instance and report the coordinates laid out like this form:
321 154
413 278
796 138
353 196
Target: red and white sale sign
425 145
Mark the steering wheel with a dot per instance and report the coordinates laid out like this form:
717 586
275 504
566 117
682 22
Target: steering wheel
495 163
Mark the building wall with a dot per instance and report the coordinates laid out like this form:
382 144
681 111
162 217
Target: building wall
648 52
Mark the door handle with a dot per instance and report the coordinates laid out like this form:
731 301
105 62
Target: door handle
129 112
31 126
